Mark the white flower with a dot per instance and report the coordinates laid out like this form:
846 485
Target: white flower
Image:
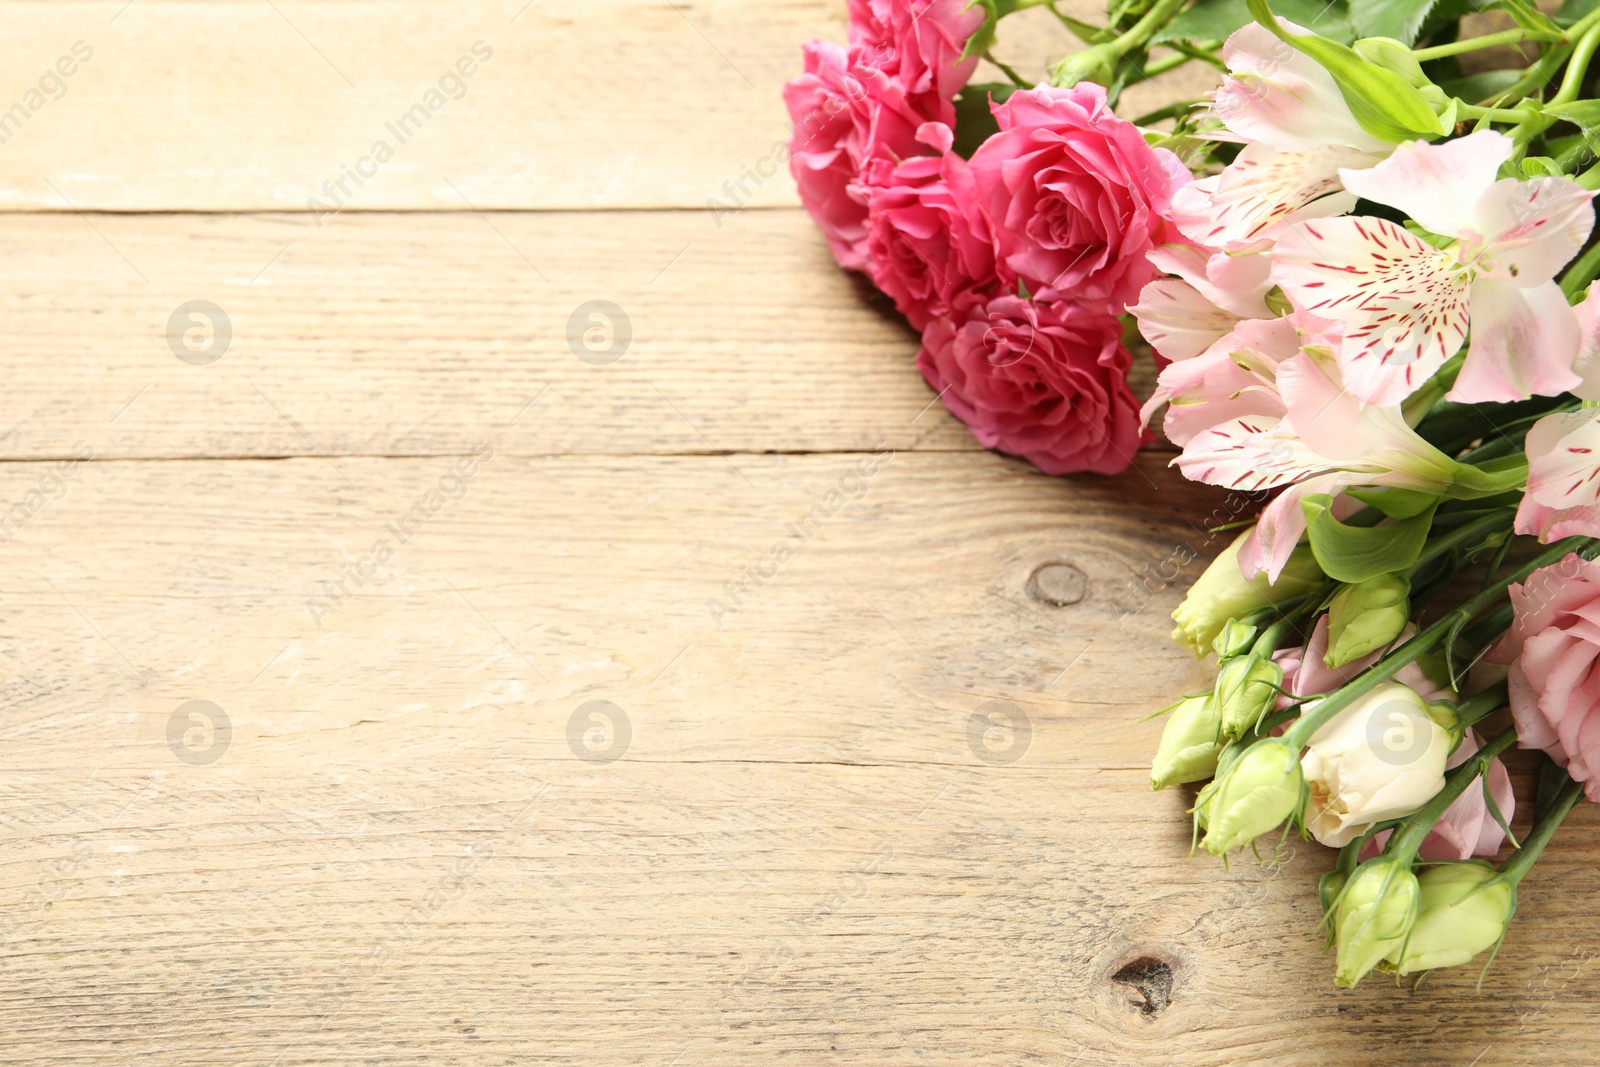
1382 757
1409 303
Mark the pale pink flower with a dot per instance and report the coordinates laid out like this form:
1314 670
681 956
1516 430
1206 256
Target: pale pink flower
1299 134
1553 649
1325 442
1563 495
1235 377
1306 672
1409 305
1183 316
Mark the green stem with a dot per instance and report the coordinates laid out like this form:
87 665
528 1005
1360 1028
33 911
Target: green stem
1409 837
1008 71
1313 719
1171 111
1517 867
1140 32
1455 48
1464 535
1577 66
1482 704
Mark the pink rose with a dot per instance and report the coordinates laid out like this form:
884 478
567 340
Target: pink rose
1553 648
918 44
1075 196
845 118
927 242
1045 381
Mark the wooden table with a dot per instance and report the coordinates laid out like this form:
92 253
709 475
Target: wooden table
517 742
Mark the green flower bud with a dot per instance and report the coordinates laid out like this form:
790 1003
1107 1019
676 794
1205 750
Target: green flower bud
1464 909
1246 689
1378 910
1190 743
1234 640
1365 617
1329 887
1390 54
1097 64
1222 593
1254 795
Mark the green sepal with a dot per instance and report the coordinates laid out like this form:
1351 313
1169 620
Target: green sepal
1385 104
1498 475
1396 503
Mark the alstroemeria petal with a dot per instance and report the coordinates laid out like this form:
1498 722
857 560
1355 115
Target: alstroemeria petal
1564 459
1282 522
1261 191
1177 320
1439 185
1282 97
1587 363
1535 227
1337 426
1405 311
1234 283
1523 342
1246 455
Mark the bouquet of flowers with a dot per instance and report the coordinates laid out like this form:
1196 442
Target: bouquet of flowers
1363 264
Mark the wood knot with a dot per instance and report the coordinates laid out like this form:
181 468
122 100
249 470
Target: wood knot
1151 979
1057 584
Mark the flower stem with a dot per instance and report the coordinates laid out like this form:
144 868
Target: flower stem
1464 535
1326 708
1483 704
1583 271
1518 866
1578 66
1455 48
1409 837
1140 32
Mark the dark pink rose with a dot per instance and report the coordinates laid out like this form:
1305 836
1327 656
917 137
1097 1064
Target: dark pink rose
927 242
846 118
1553 648
1045 381
918 44
1074 195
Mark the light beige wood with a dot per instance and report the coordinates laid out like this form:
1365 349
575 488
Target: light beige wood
229 105
404 851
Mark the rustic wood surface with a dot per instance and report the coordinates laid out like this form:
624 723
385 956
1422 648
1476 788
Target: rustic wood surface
404 540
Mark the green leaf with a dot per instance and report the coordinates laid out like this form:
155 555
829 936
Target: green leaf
1400 19
1573 10
1355 554
1584 114
983 37
1397 503
974 120
1216 20
1530 18
1385 104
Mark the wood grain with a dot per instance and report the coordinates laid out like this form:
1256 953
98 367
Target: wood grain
242 105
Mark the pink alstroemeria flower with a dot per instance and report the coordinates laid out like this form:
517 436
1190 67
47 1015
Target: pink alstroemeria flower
1233 378
1326 442
1299 134
1183 316
1563 497
1408 304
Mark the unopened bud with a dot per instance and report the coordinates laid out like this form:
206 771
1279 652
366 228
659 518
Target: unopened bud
1367 616
1253 796
1247 687
1377 911
1223 593
1190 743
1463 909
1234 640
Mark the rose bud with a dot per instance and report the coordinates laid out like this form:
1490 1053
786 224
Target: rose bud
1247 688
1365 617
1382 757
1254 795
1223 593
1464 909
1377 911
1190 743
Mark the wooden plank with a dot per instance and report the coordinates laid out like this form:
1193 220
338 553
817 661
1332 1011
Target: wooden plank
405 854
413 334
245 106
